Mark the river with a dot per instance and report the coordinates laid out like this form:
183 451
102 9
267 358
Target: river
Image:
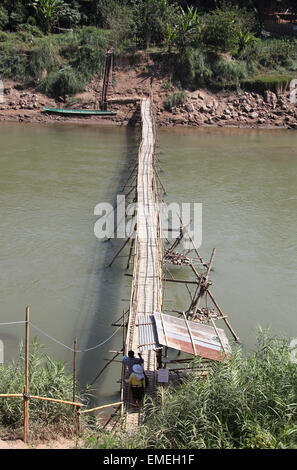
51 178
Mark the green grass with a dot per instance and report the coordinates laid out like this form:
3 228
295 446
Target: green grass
177 99
46 61
273 82
249 402
47 378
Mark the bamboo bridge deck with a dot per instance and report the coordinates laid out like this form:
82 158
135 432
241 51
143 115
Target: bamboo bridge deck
146 292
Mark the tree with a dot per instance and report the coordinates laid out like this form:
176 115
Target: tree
151 18
3 18
188 28
226 28
47 12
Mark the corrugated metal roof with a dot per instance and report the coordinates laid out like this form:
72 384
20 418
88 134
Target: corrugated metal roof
147 333
176 336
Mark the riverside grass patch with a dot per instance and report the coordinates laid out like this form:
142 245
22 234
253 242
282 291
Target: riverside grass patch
271 82
47 378
248 402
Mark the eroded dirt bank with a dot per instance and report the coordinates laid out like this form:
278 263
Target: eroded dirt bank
201 108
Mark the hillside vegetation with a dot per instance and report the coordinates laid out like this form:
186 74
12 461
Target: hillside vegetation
210 46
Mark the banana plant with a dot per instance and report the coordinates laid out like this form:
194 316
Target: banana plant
171 35
47 12
189 26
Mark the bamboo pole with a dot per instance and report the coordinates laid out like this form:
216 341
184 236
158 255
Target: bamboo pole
74 371
55 400
11 395
118 252
78 421
101 407
192 241
204 286
224 317
123 366
26 387
190 333
103 368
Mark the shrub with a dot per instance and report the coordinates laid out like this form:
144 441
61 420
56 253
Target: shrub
3 36
270 54
193 68
89 57
32 29
47 378
150 19
3 17
177 99
13 65
228 72
248 402
225 27
43 57
64 82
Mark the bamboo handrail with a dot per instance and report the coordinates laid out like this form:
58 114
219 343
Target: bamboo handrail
101 407
35 397
11 395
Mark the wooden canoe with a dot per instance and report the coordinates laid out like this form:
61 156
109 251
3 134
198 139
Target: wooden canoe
86 112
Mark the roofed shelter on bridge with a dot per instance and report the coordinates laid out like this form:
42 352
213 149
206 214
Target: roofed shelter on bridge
190 337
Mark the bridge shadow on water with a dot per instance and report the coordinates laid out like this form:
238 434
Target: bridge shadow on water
102 303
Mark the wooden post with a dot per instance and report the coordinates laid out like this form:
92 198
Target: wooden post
78 422
74 370
190 334
163 394
26 387
123 365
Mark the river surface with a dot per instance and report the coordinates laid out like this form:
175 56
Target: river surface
51 178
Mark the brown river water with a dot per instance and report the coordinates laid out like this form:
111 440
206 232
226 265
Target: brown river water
51 178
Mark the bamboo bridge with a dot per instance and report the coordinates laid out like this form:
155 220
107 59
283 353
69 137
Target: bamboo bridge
146 292
148 330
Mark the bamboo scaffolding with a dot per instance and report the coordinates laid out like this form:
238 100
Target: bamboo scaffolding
190 333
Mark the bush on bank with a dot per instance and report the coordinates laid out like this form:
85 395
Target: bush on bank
47 378
249 402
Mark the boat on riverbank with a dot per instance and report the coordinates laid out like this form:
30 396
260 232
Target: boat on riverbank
83 112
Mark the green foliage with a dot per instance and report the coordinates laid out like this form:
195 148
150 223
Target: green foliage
177 99
47 378
193 68
43 58
228 72
150 20
248 402
68 16
3 18
270 54
186 31
275 83
88 59
200 67
226 28
47 12
29 28
64 82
